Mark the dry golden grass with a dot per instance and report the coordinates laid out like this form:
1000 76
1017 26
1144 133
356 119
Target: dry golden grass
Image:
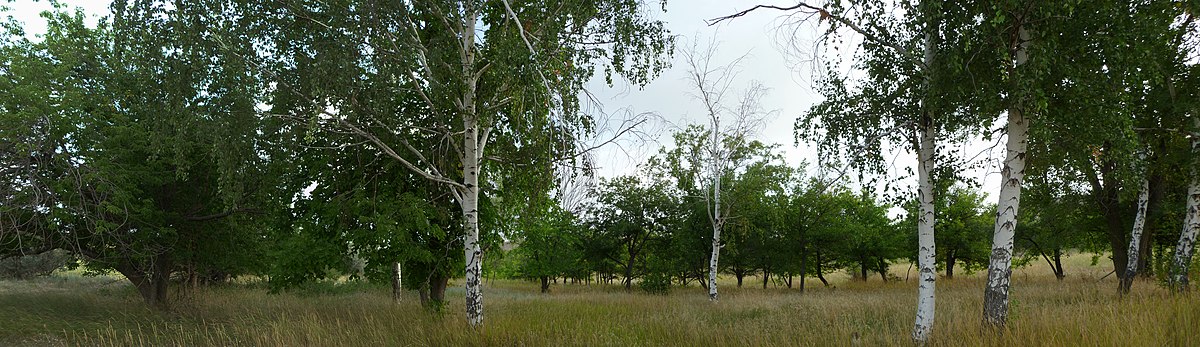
1079 311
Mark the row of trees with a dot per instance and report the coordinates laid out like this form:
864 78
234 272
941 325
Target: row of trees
191 142
200 138
787 226
1096 99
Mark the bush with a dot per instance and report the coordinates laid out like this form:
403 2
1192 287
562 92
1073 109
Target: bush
656 283
35 265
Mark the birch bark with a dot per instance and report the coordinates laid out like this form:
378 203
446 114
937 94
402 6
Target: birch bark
717 222
1135 239
396 283
1191 222
471 153
995 297
925 235
470 206
927 251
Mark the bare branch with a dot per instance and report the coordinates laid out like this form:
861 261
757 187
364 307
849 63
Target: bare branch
806 8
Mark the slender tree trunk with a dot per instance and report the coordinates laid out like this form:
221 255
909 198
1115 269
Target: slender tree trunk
545 284
712 263
862 269
883 268
1191 223
1135 238
473 253
740 276
927 250
396 283
1153 212
1000 265
717 220
1058 268
950 261
1115 225
927 263
803 264
995 298
629 270
820 272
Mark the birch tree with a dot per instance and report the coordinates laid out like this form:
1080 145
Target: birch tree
1178 278
463 76
1139 223
724 150
900 102
1054 57
1012 173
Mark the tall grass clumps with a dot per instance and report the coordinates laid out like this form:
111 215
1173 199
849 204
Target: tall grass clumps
1081 310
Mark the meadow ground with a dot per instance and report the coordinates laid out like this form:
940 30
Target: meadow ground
1082 310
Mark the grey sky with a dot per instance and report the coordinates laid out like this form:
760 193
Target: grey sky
775 56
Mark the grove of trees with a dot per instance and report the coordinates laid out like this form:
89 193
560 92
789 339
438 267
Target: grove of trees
188 143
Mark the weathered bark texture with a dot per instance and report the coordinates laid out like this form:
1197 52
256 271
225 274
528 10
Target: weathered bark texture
473 252
433 293
472 152
995 297
1135 239
151 282
1191 223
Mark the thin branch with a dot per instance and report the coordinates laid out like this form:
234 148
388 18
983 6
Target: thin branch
837 18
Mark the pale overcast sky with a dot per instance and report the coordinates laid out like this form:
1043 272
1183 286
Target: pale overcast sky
762 37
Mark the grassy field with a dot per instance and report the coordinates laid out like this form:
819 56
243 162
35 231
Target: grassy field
1082 310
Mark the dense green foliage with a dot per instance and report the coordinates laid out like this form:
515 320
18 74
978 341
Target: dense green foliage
416 142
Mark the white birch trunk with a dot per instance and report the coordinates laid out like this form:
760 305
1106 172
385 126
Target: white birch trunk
470 205
397 284
472 151
1139 224
1191 222
712 265
717 222
995 296
927 253
1187 238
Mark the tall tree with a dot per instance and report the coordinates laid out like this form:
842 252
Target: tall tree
142 152
464 75
1135 237
904 100
718 152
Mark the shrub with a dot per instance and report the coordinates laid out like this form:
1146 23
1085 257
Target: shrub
34 265
656 283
